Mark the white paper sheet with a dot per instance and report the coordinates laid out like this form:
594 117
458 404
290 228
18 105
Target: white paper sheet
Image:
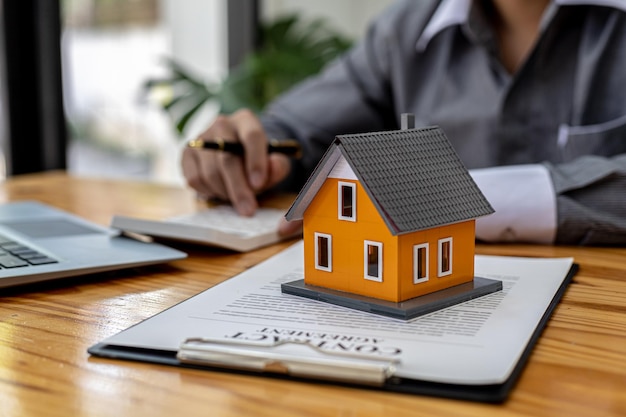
477 342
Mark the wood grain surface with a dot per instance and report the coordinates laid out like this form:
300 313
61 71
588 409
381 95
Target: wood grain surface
578 368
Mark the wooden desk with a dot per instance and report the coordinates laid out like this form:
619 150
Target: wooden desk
577 369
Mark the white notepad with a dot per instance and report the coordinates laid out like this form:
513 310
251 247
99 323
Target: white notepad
219 226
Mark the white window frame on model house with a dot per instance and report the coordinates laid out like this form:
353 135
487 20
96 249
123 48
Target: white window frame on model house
379 261
341 206
329 252
420 264
444 257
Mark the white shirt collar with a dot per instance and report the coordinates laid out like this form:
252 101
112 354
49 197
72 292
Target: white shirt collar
456 12
448 13
616 4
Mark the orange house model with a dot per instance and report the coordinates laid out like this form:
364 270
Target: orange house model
390 216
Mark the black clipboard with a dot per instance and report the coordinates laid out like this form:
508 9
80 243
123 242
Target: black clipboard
493 393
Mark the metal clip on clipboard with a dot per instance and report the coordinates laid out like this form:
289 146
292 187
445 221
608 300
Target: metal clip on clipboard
295 358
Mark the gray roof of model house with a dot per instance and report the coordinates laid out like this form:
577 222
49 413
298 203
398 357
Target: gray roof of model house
414 177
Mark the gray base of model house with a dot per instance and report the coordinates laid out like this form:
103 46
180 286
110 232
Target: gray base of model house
405 310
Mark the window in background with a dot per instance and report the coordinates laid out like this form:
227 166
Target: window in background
110 48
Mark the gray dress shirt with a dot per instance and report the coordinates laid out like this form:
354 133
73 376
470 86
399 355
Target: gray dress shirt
565 108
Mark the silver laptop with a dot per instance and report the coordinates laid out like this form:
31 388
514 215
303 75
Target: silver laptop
39 243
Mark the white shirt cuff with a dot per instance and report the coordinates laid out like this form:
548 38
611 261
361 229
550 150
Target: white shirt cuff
524 202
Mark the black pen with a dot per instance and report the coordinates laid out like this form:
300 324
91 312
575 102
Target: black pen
287 147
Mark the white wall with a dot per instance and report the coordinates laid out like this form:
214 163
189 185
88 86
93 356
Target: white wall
197 30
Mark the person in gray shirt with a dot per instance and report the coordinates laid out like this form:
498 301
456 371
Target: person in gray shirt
531 93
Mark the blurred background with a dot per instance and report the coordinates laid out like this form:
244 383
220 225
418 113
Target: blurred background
136 78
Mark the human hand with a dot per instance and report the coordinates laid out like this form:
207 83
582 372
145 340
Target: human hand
228 177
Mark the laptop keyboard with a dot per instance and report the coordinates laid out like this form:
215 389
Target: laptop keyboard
16 255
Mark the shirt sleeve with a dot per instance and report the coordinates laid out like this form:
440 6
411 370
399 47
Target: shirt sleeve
582 202
339 100
591 200
353 94
524 202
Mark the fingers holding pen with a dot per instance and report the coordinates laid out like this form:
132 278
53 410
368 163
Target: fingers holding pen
231 176
233 160
201 173
254 140
202 169
190 165
229 170
267 162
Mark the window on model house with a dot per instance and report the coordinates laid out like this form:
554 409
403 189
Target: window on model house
420 263
373 260
445 257
323 252
347 201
